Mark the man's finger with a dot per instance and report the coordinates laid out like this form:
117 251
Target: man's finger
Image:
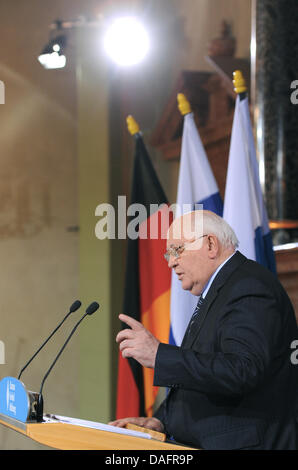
125 344
119 423
128 352
124 421
134 324
124 334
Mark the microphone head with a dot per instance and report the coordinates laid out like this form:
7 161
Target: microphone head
92 308
75 306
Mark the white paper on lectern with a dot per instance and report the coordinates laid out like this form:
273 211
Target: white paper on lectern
94 425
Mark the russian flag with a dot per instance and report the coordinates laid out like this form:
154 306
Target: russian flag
244 207
196 185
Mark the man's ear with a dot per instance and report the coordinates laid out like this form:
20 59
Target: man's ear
213 246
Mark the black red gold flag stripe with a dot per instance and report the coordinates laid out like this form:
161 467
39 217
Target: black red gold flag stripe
147 284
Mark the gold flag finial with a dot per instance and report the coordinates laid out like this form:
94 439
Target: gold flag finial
132 125
239 82
183 104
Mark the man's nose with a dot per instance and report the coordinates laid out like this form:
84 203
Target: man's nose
173 260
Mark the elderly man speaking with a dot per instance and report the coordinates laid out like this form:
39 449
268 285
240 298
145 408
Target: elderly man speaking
232 384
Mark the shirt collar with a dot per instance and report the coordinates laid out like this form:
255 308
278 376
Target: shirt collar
211 279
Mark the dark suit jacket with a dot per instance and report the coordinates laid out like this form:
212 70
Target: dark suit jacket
232 382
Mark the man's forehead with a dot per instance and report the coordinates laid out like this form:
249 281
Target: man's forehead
186 229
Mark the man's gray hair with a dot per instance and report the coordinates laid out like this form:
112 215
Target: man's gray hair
213 224
195 224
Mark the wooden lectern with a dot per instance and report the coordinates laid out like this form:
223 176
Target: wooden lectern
65 436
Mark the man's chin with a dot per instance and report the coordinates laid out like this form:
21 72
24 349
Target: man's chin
187 286
194 290
190 287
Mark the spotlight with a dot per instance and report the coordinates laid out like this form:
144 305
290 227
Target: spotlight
126 41
52 56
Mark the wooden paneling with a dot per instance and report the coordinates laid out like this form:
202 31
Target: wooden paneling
287 269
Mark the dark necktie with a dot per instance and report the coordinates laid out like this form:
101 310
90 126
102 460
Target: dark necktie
195 313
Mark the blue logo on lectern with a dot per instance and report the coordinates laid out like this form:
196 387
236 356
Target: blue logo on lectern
14 400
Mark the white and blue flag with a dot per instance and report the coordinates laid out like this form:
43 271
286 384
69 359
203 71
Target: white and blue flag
244 207
196 185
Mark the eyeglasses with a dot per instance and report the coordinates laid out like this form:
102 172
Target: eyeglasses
176 251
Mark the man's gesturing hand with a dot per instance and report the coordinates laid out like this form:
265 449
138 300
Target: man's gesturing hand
138 342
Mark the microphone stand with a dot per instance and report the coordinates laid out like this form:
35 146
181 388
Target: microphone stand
39 405
75 306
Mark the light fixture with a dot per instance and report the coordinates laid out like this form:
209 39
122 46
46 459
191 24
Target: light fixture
126 41
52 56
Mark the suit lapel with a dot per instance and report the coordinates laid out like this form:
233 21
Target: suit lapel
220 279
189 337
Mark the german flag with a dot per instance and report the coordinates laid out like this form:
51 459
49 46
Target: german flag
147 284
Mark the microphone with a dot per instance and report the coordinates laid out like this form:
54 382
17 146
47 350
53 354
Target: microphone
39 406
75 306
